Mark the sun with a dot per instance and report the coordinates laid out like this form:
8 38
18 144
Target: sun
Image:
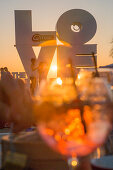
54 67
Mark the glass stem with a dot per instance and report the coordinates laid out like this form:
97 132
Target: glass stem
82 163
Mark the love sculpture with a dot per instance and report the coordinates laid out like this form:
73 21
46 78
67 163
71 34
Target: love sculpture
74 27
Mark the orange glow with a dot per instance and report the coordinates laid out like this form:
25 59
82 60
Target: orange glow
57 137
54 43
74 113
68 136
67 131
75 123
72 126
49 43
98 153
88 115
77 120
68 65
49 132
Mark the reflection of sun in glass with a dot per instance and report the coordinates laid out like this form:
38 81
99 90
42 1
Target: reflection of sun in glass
79 76
59 81
74 163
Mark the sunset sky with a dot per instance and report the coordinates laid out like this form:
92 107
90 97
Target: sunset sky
45 14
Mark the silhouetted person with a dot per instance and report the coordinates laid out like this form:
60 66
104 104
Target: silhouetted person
33 77
2 73
42 71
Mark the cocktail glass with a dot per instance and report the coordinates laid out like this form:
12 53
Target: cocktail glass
74 119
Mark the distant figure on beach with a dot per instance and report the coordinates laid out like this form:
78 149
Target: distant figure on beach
5 72
2 73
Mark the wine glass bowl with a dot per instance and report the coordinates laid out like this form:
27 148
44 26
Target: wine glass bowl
72 119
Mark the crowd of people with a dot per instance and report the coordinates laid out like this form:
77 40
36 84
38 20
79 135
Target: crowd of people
17 103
